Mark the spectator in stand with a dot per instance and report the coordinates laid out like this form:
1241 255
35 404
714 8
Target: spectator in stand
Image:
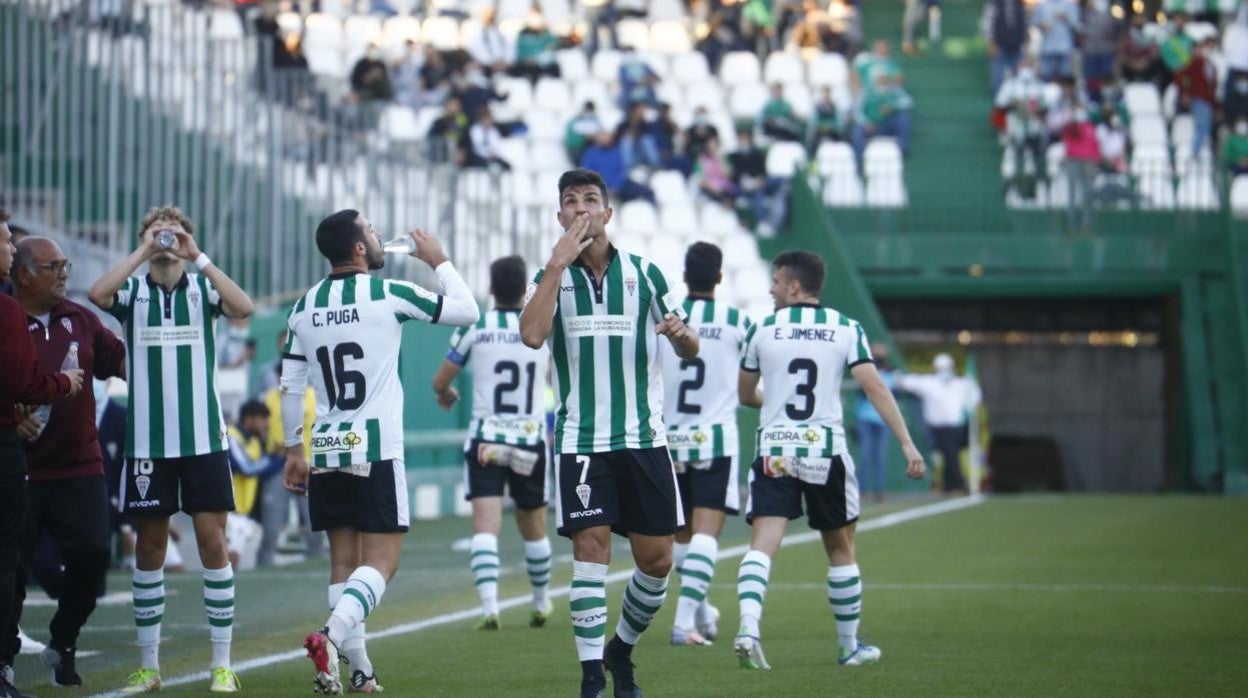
1235 148
1111 140
485 138
778 119
915 11
405 77
1101 35
435 75
716 182
815 30
1005 30
882 112
698 133
1058 22
827 124
450 133
668 137
581 129
1022 97
748 164
1197 83
1178 48
604 157
637 81
722 37
599 16
1139 56
535 50
474 89
1235 99
1235 56
634 140
370 80
489 47
1083 158
1060 113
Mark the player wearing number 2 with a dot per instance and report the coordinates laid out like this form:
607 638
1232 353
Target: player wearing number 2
603 311
348 328
175 444
505 445
700 409
800 352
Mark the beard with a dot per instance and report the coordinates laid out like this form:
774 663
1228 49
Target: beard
376 260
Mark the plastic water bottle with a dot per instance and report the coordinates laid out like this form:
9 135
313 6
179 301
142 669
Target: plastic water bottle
403 244
43 412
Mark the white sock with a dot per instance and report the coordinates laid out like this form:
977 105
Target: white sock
537 562
353 645
845 595
679 551
695 578
643 597
219 603
483 558
148 587
752 590
588 601
360 595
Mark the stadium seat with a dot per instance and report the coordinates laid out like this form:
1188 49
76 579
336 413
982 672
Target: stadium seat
361 29
398 29
673 95
558 13
1142 99
842 189
549 154
325 61
1185 162
881 155
1197 190
1239 196
441 33
747 100
573 66
1054 156
552 94
783 157
399 123
1181 131
321 30
224 25
678 218
717 223
667 10
835 158
545 125
289 21
633 33
784 68
516 152
740 249
1148 130
639 218
705 94
669 37
828 69
885 190
1156 193
605 66
690 68
519 99
590 91
669 187
667 251
1151 161
798 96
512 9
739 67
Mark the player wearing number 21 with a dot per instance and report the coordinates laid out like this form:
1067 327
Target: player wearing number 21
176 448
602 311
344 337
800 352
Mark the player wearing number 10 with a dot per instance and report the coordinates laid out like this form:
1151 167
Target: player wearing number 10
800 352
603 311
505 445
349 328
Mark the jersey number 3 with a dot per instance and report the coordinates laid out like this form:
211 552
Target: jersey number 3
338 380
805 389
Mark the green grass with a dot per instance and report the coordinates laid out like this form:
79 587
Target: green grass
1017 596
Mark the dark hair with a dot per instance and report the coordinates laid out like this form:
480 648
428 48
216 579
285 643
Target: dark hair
804 266
252 408
337 234
703 262
580 177
507 280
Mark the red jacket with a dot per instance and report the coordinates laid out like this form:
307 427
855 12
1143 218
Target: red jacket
1198 80
69 446
20 379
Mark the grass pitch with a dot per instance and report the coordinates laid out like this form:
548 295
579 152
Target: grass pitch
1033 595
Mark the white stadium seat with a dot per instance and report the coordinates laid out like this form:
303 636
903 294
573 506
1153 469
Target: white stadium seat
633 33
441 33
690 68
669 37
784 68
739 67
783 157
1149 130
842 189
747 100
639 218
1239 196
1142 99
828 69
552 94
605 66
591 91
573 66
399 123
667 9
705 94
322 30
797 94
835 158
669 187
1197 190
679 219
398 29
544 125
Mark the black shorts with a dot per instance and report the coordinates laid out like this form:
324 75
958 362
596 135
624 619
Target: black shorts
829 506
709 484
368 497
161 487
527 491
632 491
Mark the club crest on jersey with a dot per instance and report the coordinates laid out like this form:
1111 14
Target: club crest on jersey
630 283
141 483
69 326
193 297
582 493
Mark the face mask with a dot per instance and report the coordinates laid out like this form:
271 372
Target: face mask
1242 128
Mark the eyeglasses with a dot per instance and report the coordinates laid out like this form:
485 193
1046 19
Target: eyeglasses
54 267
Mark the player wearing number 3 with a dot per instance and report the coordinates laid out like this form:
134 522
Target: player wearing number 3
603 311
800 352
344 337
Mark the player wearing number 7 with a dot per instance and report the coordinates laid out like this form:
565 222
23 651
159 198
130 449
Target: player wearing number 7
603 311
800 352
505 445
344 337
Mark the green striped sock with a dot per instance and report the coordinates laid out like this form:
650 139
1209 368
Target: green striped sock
148 587
845 596
642 599
483 558
588 601
537 563
752 590
360 595
695 578
219 603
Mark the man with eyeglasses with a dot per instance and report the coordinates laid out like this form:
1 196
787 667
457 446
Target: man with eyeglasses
67 495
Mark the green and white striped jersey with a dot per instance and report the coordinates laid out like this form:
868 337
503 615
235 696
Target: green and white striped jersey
171 367
508 379
604 348
700 401
348 329
802 352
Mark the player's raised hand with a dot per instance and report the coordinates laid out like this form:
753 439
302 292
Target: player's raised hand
448 398
186 247
428 248
295 474
915 467
673 327
571 243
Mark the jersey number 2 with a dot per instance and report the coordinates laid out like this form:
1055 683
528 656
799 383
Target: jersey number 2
694 383
501 390
805 389
338 379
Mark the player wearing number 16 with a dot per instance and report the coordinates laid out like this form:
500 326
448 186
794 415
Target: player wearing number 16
800 353
175 444
344 337
603 311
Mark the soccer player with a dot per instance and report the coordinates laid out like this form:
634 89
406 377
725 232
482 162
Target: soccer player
176 449
349 327
700 410
505 443
800 352
603 311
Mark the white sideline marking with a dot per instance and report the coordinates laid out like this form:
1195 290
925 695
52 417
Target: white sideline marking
886 521
1010 586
